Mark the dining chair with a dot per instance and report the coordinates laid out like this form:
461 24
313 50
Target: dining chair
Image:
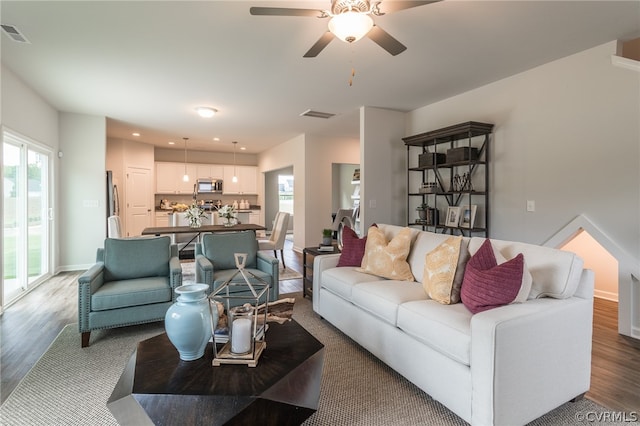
278 235
114 227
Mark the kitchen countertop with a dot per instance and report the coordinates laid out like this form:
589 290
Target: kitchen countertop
249 210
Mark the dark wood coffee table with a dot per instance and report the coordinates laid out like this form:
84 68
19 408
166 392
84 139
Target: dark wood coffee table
158 388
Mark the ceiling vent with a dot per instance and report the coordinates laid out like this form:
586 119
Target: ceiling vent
14 33
316 114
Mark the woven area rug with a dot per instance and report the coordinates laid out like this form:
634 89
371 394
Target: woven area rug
70 385
189 273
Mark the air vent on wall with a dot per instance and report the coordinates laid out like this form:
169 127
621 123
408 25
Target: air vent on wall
14 33
316 114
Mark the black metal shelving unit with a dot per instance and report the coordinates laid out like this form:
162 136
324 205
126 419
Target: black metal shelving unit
468 135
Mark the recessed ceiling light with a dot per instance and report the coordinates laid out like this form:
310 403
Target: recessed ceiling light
243 148
136 134
172 143
206 112
216 139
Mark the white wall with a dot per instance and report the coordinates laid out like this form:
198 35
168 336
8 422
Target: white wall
82 214
383 171
566 136
321 153
312 157
27 113
289 153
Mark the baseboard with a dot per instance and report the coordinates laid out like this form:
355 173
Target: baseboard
606 295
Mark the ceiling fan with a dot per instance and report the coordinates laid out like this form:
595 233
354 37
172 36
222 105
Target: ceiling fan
350 21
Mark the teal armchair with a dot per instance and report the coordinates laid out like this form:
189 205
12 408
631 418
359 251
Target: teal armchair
132 282
215 261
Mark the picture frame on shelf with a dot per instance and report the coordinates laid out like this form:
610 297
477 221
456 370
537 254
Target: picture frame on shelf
453 216
468 216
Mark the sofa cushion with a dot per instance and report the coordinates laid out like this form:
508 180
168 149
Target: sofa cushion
382 298
426 241
131 258
220 248
352 248
444 270
486 284
340 281
385 258
445 328
132 292
555 273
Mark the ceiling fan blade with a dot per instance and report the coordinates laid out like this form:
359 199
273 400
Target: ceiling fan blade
394 6
284 11
319 45
386 41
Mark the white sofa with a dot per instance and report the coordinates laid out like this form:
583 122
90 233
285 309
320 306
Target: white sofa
504 366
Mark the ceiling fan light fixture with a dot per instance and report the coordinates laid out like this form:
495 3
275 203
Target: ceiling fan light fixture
206 112
350 26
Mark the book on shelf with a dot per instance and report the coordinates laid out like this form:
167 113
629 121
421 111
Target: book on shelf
325 248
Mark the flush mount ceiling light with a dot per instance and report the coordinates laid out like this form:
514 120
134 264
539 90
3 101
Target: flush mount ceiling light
206 112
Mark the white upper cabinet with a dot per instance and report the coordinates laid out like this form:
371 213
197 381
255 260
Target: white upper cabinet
169 178
213 171
247 180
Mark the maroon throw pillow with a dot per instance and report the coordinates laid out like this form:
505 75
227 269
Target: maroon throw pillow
487 285
352 248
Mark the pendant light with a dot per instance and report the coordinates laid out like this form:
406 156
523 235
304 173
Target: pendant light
235 175
185 178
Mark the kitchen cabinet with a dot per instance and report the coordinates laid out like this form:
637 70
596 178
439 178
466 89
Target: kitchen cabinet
254 217
213 171
247 180
162 218
169 178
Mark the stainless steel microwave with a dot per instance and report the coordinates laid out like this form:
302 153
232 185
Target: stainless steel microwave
209 186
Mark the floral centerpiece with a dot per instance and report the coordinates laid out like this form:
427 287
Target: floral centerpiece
228 213
194 215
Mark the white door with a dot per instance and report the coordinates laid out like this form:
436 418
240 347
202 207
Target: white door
139 195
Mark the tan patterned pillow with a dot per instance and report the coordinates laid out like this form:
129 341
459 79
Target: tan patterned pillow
387 259
443 271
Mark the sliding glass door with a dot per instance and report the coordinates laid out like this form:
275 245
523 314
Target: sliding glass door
25 230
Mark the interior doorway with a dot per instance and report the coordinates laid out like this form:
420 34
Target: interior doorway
278 196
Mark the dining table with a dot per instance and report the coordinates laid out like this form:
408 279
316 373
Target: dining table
160 230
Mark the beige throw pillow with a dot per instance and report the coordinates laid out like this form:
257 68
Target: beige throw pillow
387 259
444 270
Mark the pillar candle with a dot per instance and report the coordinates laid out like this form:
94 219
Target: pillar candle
241 336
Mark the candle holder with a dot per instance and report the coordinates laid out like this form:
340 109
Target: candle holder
247 328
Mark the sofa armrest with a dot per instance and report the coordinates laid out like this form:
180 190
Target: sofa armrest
529 358
320 264
175 276
88 283
270 265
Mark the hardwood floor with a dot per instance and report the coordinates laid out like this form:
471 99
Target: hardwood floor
28 328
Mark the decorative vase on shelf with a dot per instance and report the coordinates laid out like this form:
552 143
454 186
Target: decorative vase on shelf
188 321
227 222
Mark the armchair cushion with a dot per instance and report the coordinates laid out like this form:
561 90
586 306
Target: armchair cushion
151 258
220 248
135 292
